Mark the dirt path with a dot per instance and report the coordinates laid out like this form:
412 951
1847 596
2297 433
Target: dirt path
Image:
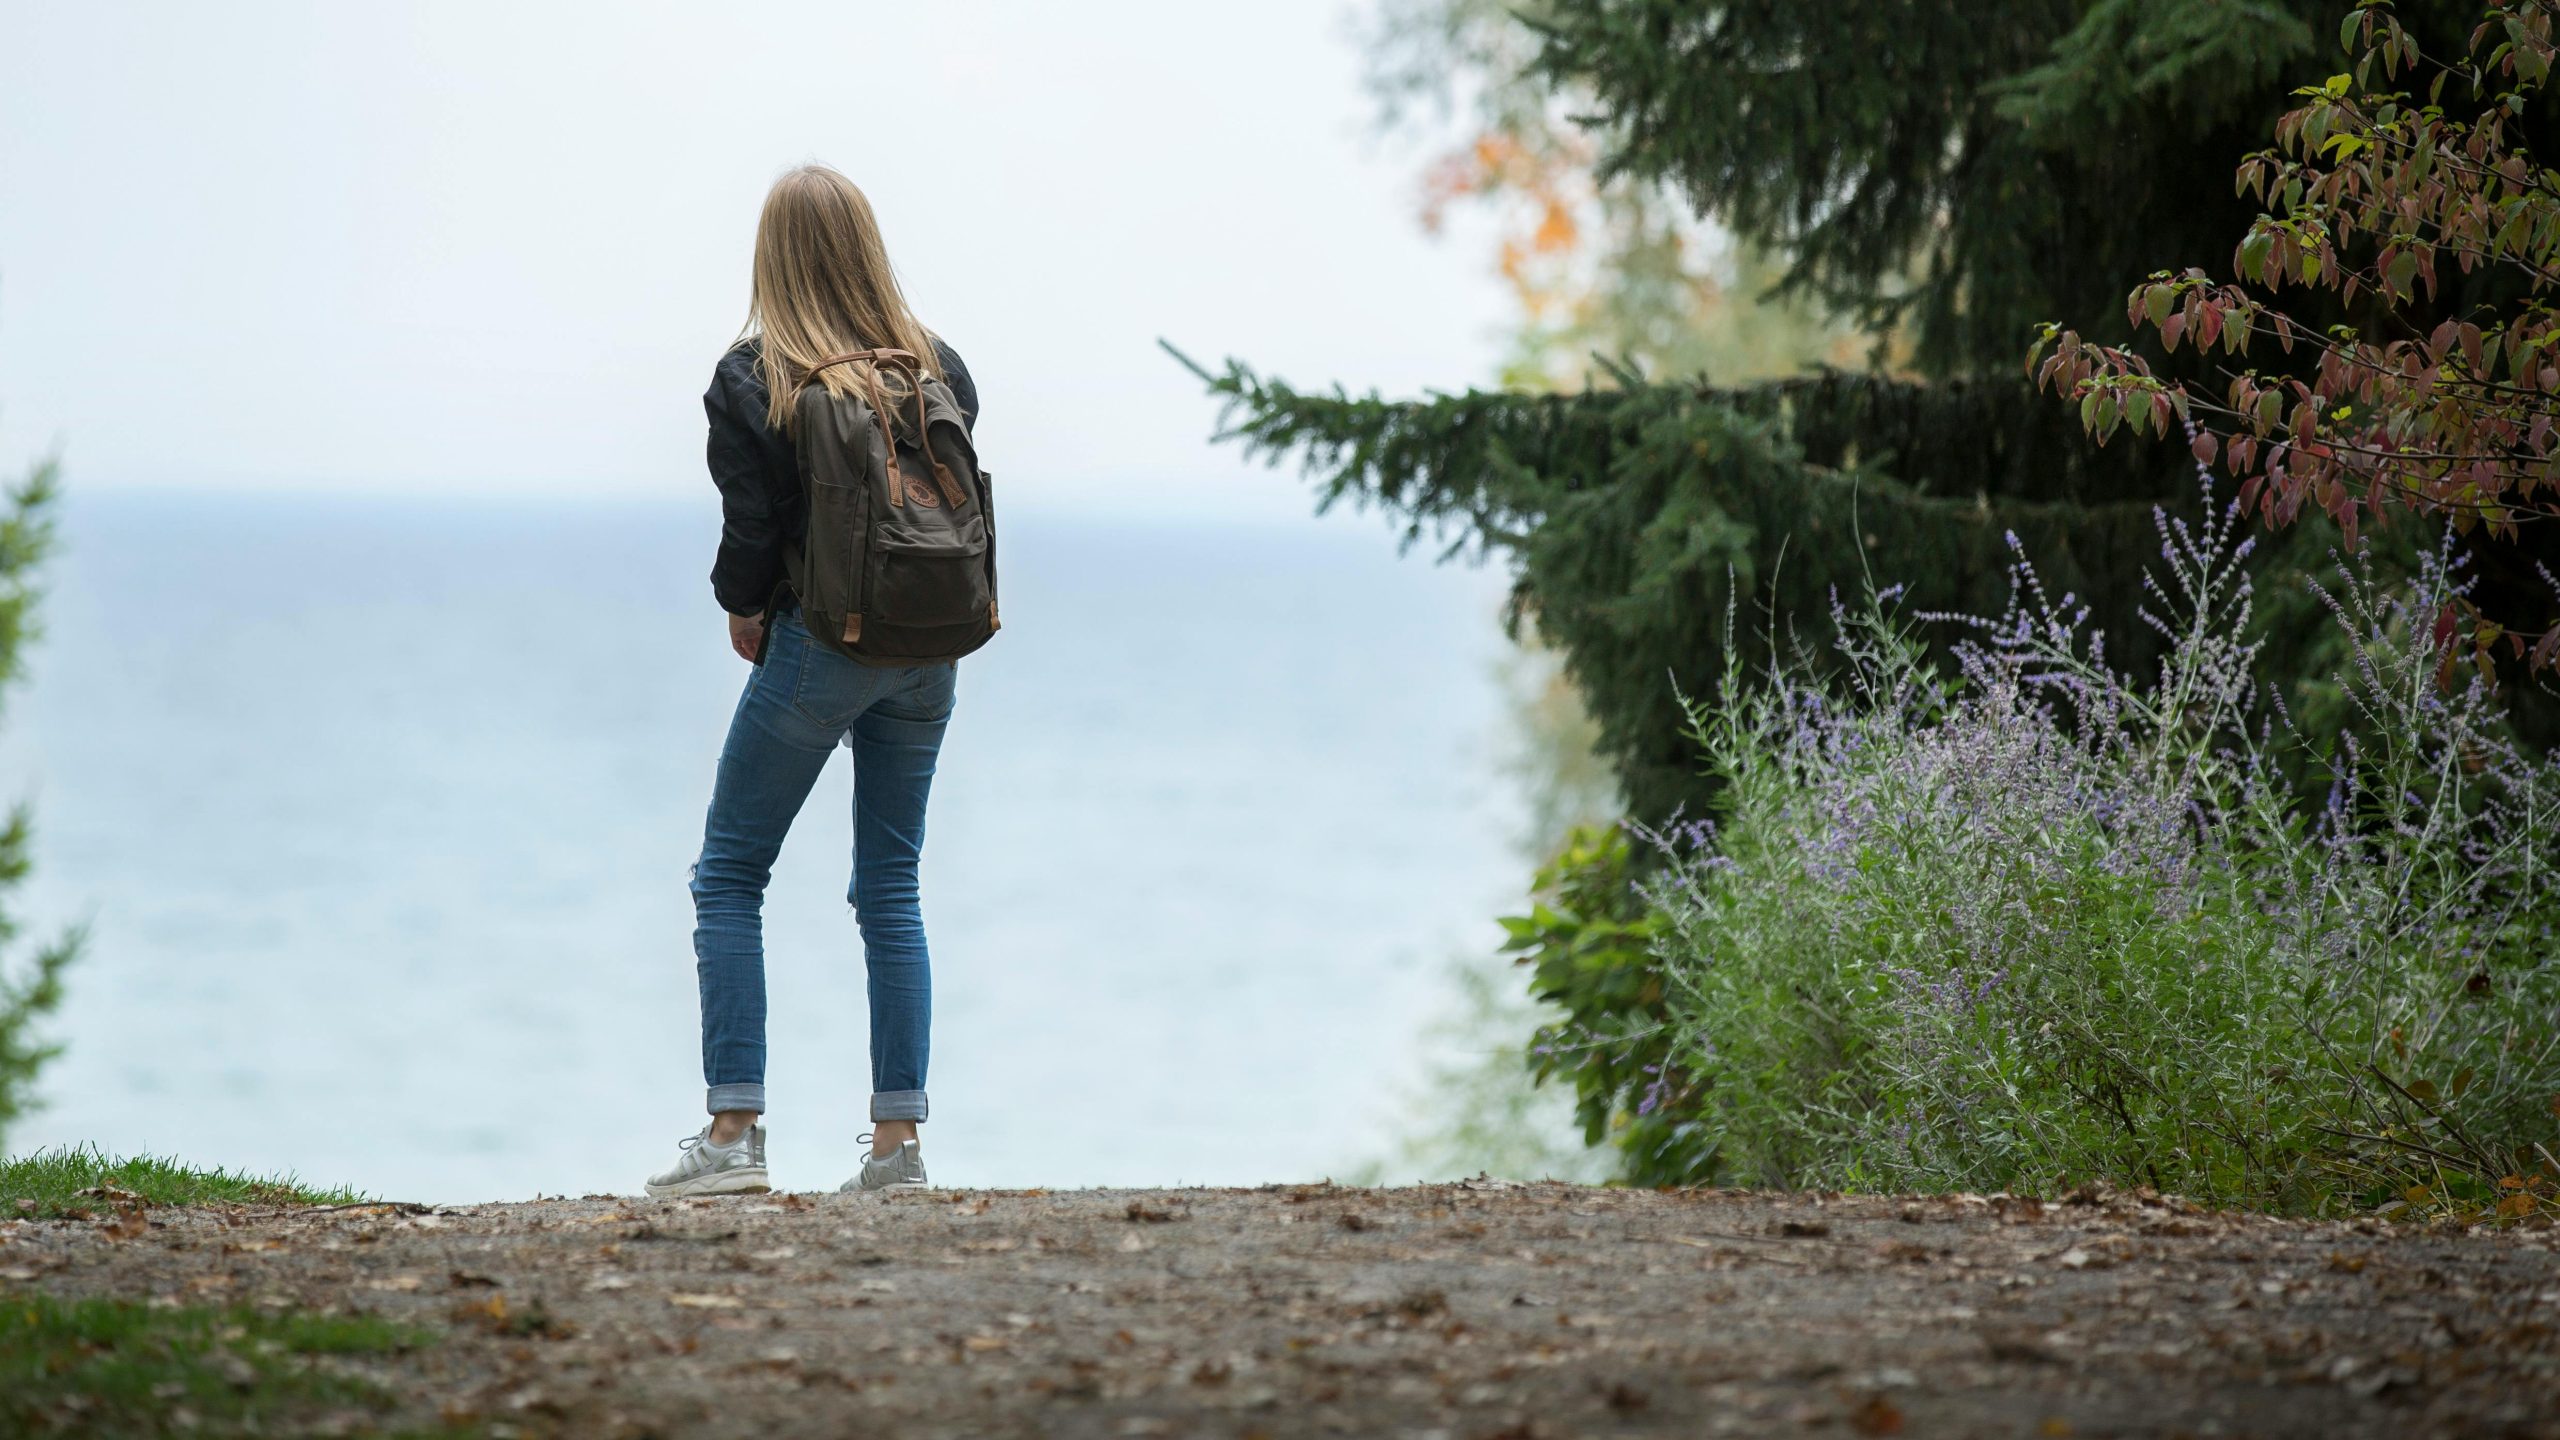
1453 1311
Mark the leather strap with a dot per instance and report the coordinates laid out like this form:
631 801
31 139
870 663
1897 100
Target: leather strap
905 363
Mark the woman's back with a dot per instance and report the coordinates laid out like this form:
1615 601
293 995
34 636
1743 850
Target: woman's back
763 507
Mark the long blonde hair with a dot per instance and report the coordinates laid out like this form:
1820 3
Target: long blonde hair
824 286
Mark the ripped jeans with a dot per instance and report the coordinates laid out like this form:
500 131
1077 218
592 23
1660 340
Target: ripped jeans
799 704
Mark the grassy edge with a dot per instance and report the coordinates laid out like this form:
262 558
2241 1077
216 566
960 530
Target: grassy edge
103 1366
73 1182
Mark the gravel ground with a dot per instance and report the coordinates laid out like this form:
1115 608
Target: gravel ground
1464 1311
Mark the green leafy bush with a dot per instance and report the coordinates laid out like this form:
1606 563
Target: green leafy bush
2038 923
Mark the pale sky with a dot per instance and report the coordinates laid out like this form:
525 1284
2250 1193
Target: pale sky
476 247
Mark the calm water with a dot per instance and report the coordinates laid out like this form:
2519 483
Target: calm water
381 813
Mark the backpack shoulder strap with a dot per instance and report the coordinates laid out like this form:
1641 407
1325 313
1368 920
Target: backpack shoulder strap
906 364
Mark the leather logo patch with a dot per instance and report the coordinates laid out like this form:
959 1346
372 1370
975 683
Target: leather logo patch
920 493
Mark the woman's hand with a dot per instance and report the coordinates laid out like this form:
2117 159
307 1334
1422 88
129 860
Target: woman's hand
746 636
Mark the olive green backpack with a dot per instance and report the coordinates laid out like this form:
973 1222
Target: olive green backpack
899 563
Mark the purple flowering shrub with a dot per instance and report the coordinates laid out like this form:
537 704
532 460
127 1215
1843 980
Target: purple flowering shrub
2037 922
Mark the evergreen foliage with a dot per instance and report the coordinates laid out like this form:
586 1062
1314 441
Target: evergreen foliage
1940 175
26 537
1960 170
1640 519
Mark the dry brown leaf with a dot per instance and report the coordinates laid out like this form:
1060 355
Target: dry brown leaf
1878 1416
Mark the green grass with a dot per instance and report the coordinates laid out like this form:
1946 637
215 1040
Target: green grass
48 1184
117 1367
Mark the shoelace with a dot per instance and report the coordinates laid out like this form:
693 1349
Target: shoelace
686 1147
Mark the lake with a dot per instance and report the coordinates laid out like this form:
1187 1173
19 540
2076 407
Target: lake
380 812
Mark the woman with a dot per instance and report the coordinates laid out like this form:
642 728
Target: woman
823 287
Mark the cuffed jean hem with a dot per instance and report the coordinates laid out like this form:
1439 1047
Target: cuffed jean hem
897 1105
734 1097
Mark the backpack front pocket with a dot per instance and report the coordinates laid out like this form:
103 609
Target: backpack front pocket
929 574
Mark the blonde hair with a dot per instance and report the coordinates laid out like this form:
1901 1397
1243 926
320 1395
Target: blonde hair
823 286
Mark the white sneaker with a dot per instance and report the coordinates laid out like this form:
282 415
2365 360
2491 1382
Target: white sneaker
703 1168
901 1169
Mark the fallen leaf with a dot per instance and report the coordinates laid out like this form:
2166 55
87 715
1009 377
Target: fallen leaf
1878 1416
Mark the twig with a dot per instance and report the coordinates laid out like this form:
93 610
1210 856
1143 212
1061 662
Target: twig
2427 1150
404 1207
2488 1166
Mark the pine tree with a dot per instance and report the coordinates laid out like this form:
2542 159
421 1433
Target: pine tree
26 537
1961 169
1947 172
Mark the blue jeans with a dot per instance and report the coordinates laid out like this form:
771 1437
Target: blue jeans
797 706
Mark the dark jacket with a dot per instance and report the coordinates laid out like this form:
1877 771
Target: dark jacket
762 509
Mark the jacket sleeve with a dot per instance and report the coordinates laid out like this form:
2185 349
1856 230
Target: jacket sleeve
963 388
749 565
